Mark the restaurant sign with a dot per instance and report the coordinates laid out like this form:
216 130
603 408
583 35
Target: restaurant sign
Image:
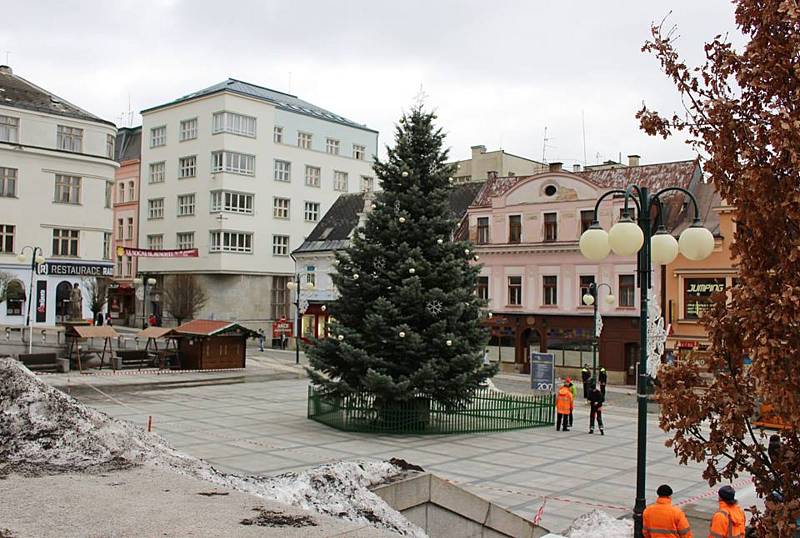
75 269
697 294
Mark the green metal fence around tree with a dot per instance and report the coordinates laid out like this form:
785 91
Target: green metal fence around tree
487 411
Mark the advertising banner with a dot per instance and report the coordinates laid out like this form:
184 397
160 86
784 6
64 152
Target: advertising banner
543 372
150 253
282 327
41 301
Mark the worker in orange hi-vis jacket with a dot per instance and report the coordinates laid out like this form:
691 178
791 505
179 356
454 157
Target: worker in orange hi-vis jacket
564 405
662 519
730 521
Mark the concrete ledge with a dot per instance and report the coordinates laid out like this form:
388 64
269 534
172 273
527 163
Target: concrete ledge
63 365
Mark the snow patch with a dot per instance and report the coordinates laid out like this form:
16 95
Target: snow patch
44 430
598 524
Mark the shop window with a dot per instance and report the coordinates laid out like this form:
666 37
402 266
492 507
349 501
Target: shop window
697 293
15 298
280 297
322 330
309 321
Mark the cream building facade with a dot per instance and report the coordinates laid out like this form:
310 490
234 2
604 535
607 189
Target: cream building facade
484 163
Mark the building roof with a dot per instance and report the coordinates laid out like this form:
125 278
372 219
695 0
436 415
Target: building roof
281 100
333 231
129 144
212 327
17 92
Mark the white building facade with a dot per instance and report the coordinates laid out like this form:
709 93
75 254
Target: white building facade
56 177
242 173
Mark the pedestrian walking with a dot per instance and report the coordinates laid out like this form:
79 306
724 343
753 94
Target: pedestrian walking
574 390
564 406
596 400
730 521
662 518
486 356
586 375
283 340
99 320
603 378
261 340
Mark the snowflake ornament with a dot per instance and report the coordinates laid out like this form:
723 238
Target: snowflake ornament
656 334
434 308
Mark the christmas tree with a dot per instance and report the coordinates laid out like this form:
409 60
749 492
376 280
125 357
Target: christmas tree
407 324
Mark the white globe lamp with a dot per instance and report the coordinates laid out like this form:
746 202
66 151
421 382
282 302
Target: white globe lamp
594 243
696 242
588 299
625 238
610 299
663 247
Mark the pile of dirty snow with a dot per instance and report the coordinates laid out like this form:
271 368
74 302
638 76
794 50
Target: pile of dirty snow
44 430
598 524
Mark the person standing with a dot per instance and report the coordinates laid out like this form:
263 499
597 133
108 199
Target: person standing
603 378
662 518
564 405
596 400
574 390
586 375
261 340
730 521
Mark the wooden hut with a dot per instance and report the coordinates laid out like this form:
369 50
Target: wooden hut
206 344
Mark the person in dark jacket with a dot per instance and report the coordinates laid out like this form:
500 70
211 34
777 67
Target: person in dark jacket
586 375
596 400
603 378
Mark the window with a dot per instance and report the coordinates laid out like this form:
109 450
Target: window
311 275
187 166
587 216
184 240
483 230
15 298
155 208
313 175
233 202
280 245
9 129
550 227
585 283
110 142
340 181
238 124
109 193
282 170
118 269
304 140
241 242
106 246
6 238
128 266
121 189
158 136
69 138
550 190
697 294
550 290
186 204
280 297
627 292
277 135
359 152
311 211
157 172
65 242
280 208
120 229
188 129
130 227
367 184
155 242
514 228
236 163
68 189
131 191
483 288
8 182
515 290
332 146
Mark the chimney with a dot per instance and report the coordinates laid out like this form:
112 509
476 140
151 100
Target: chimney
576 168
555 167
5 70
478 150
633 160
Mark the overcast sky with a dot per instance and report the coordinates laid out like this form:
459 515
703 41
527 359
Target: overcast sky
497 72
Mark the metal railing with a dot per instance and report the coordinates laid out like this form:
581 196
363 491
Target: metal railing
487 411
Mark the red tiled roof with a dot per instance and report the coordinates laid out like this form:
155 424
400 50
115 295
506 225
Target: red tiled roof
205 327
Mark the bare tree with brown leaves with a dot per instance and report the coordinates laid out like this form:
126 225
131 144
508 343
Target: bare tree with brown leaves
183 297
742 110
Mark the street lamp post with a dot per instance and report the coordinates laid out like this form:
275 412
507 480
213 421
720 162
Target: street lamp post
590 298
145 281
295 285
627 238
35 259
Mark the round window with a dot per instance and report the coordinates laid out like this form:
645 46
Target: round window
550 190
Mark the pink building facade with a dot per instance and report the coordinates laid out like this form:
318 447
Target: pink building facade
526 231
126 223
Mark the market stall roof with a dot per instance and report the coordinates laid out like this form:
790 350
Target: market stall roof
89 331
213 327
155 332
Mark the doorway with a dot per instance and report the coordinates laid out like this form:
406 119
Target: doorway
631 361
63 291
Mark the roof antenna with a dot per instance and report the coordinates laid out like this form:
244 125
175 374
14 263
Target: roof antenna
583 126
544 146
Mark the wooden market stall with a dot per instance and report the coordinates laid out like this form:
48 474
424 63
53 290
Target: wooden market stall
76 334
168 355
205 344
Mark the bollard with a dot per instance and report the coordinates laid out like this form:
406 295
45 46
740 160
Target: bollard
150 423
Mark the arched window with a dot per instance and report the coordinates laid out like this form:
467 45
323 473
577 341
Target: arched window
131 191
15 298
63 291
121 191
